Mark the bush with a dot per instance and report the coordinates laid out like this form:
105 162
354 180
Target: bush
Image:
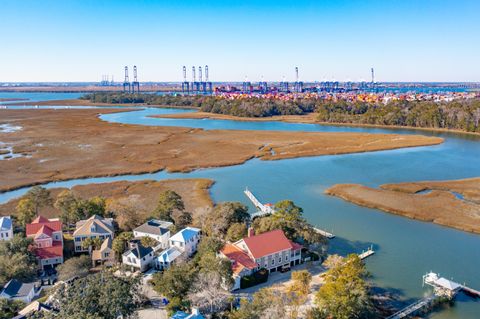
257 278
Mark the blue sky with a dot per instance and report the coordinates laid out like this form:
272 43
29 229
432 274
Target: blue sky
404 40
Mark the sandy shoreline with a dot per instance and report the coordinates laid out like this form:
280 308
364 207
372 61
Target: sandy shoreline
439 206
74 143
194 192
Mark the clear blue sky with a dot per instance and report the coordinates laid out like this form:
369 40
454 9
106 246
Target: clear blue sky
404 40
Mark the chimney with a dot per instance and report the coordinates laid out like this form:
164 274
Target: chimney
251 232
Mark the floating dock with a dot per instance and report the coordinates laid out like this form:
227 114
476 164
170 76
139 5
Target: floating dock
324 233
367 253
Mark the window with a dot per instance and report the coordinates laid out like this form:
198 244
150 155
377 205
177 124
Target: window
279 259
273 261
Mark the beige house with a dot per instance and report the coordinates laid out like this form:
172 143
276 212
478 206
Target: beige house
94 227
105 255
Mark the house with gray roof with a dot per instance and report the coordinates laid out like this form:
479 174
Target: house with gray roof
16 290
156 229
94 227
139 257
6 228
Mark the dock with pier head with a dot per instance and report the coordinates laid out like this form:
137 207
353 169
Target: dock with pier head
442 287
267 209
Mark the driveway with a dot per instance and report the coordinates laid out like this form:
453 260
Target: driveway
282 280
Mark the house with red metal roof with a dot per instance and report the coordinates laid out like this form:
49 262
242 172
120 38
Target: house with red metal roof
47 236
271 250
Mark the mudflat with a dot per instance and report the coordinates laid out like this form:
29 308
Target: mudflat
74 143
439 206
81 102
194 192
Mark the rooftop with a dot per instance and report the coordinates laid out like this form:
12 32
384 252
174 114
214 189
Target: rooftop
239 258
5 223
94 225
139 251
154 226
268 243
33 228
169 255
185 234
15 288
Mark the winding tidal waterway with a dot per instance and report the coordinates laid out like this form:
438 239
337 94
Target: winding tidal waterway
406 249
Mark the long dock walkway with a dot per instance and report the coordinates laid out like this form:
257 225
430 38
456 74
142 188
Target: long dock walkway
414 307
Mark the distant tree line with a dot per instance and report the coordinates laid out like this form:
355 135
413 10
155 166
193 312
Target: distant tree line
461 115
251 107
145 98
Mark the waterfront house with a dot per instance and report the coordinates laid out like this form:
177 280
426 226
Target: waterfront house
94 227
16 290
186 240
271 250
47 236
139 257
183 315
156 229
6 228
167 258
105 254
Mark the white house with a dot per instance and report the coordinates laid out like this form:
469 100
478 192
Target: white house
16 290
186 240
167 257
6 228
156 229
139 257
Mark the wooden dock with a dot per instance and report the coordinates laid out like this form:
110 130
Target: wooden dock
324 233
367 253
414 307
262 209
470 291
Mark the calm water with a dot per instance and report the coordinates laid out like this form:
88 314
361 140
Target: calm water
406 249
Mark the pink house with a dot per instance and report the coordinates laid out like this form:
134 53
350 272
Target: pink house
47 236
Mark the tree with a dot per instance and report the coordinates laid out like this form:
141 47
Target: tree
16 259
168 202
128 212
175 281
100 295
298 291
91 243
182 219
148 242
40 197
208 294
345 293
9 308
74 267
25 211
265 304
119 243
93 206
236 232
223 216
333 261
68 204
288 217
